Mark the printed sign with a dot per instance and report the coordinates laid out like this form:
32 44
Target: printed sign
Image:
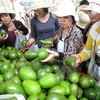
25 3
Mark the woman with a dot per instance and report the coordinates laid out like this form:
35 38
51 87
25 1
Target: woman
43 24
84 24
10 27
69 36
84 21
92 48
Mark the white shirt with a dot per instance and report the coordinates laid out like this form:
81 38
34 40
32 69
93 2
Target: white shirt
60 46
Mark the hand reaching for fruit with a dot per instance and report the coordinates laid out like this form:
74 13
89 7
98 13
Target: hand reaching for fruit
78 59
30 42
52 54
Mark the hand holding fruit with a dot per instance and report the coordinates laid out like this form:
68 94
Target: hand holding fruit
70 61
3 35
52 54
78 59
23 44
2 38
47 43
30 42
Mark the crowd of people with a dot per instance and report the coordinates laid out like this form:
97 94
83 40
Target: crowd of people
74 31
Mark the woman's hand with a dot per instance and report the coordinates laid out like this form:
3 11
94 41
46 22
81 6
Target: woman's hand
78 59
3 38
54 38
30 42
19 32
52 54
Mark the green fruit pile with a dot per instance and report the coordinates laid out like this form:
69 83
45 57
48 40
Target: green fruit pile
25 74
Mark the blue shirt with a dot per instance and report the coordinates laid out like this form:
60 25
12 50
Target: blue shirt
42 31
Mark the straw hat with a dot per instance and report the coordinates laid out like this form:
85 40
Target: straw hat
95 6
83 17
66 8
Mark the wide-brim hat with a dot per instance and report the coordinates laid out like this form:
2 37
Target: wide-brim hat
66 8
7 10
95 6
83 7
84 19
40 4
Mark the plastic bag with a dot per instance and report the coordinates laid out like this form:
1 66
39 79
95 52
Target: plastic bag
18 96
34 47
96 72
19 38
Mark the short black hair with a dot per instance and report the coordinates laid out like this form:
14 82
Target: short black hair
73 19
46 11
11 16
83 2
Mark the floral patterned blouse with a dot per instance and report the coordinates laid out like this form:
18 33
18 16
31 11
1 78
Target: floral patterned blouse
73 40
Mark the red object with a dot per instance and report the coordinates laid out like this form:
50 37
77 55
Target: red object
81 74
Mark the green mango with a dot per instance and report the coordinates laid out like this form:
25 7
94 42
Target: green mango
9 74
12 88
46 42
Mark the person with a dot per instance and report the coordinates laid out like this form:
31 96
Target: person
10 26
70 37
87 19
92 48
43 25
84 21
